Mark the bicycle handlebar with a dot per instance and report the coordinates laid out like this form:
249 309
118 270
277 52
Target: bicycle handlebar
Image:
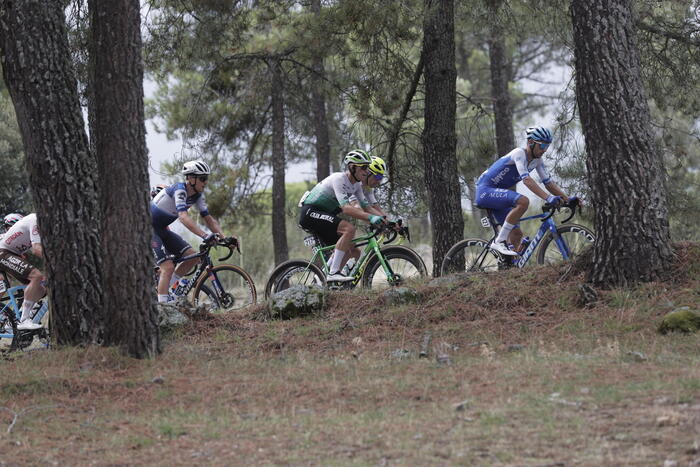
390 228
211 242
571 205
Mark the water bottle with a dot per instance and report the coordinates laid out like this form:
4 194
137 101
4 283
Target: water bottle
525 242
181 285
348 267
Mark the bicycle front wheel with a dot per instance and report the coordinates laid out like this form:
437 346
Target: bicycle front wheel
294 272
225 288
469 255
404 263
574 239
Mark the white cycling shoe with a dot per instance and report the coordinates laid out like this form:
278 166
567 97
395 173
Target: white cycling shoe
28 325
338 277
503 249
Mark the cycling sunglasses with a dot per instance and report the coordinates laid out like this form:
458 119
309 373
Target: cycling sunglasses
543 146
378 177
203 178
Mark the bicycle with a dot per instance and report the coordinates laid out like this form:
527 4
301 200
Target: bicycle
224 287
397 263
556 244
10 314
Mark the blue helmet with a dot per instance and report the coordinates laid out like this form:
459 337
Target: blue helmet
539 133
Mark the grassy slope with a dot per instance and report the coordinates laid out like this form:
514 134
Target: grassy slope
541 381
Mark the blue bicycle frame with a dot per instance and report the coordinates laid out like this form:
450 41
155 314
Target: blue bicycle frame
547 225
13 306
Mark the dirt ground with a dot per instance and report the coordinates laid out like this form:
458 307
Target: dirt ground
518 372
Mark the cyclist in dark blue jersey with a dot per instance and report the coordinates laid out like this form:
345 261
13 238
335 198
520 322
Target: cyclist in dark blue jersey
171 204
496 187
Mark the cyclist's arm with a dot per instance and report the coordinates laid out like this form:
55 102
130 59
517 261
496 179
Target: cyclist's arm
555 190
37 250
354 210
535 188
191 224
375 209
213 225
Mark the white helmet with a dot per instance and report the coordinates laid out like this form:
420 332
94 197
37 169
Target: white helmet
11 219
198 167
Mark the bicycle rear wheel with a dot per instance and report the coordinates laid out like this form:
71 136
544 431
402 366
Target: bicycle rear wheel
469 255
8 331
405 264
225 288
575 238
294 272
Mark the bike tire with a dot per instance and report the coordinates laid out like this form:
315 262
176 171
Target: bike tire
293 272
8 322
238 289
466 256
577 238
403 261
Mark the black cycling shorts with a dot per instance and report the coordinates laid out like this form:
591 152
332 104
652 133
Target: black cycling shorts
322 223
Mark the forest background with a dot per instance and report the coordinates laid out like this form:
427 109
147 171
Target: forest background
347 74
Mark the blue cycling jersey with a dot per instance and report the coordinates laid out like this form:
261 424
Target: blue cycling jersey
172 200
512 168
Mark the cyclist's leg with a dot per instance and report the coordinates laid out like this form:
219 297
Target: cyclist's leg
507 206
26 273
325 225
344 244
177 246
164 263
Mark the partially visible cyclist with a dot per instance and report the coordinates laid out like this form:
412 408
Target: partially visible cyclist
157 189
171 204
340 192
496 187
21 238
8 221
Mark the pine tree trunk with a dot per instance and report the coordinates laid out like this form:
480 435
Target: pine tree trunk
318 109
39 74
625 170
279 227
439 139
500 75
120 143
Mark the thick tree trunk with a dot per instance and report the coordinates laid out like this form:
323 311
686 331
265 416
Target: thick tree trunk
625 170
63 175
120 142
279 228
318 110
500 67
439 139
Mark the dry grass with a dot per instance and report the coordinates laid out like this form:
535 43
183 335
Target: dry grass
526 377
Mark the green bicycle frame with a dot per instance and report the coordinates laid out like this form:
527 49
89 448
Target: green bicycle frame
359 267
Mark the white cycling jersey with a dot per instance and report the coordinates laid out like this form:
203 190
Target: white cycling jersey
334 192
19 238
171 200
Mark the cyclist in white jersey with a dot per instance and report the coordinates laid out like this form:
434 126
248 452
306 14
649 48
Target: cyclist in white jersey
495 190
24 237
339 192
169 205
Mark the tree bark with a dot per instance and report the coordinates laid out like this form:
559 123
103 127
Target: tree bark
625 170
318 109
501 72
39 74
439 138
279 228
120 143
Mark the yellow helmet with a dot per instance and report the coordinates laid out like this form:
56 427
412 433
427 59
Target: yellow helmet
377 166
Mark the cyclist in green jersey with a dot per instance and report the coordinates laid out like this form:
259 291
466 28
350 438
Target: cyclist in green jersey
340 192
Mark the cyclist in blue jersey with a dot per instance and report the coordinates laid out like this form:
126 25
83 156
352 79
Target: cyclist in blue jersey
171 204
340 192
496 187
